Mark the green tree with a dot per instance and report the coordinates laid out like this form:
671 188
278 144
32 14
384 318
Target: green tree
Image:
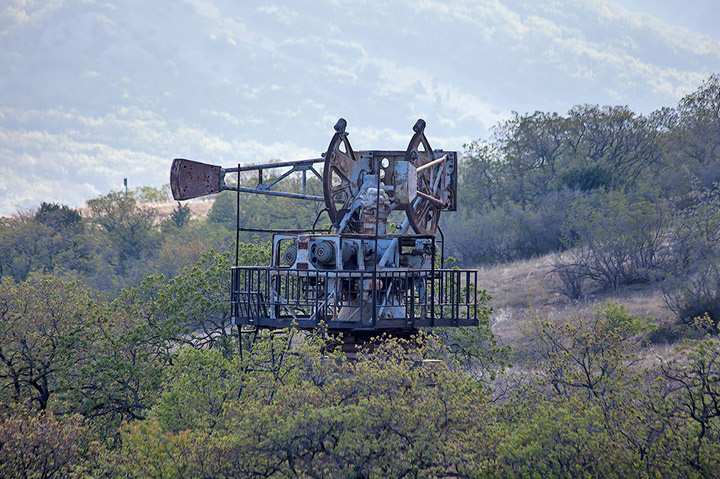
588 355
591 410
184 247
393 412
481 177
58 216
149 194
533 147
199 384
51 240
131 343
42 322
613 139
24 244
180 215
199 298
268 212
127 226
690 142
40 445
696 374
692 285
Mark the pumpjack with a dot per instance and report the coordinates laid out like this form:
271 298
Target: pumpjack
362 276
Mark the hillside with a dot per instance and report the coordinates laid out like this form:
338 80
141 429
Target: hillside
198 208
520 286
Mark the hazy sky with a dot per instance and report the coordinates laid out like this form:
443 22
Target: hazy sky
92 92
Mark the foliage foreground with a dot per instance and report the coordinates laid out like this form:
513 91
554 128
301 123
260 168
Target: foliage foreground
108 369
92 388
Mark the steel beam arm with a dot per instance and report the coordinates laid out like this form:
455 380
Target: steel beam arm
274 193
192 179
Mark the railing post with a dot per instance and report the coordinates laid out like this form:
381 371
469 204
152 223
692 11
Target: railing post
432 298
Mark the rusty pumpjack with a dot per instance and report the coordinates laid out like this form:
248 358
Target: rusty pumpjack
355 278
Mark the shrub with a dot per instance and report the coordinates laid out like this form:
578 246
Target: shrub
586 178
39 444
618 241
692 285
509 232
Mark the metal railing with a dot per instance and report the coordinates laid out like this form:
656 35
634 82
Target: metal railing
278 297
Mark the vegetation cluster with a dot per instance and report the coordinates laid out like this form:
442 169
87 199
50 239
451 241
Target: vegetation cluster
142 386
629 199
118 359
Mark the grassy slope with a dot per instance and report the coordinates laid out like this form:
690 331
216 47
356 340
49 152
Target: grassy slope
522 286
518 287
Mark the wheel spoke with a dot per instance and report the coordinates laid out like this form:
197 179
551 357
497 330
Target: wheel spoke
422 213
340 163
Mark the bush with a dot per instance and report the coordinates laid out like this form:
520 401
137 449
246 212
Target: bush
692 285
509 232
586 178
39 444
618 241
389 413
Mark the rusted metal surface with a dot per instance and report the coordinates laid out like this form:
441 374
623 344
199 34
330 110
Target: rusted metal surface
340 182
363 274
191 179
420 180
422 213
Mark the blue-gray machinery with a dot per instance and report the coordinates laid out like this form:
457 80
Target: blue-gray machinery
360 277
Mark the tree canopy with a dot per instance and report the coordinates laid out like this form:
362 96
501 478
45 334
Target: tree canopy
118 359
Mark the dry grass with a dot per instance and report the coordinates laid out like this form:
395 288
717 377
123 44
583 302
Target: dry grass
523 286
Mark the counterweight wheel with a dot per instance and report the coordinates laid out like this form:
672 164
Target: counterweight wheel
340 182
424 213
